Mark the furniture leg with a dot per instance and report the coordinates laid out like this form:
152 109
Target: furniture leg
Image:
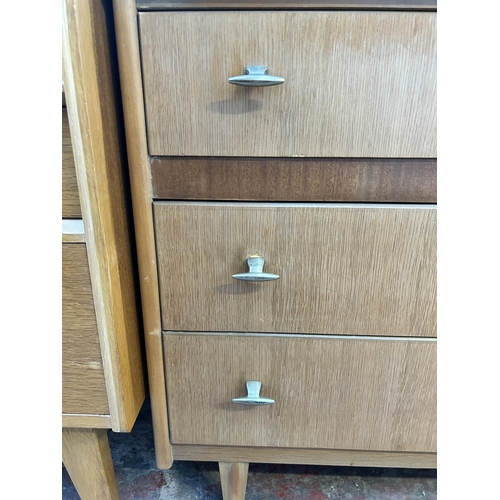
233 478
87 458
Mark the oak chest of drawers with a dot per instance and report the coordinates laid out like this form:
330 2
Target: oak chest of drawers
284 182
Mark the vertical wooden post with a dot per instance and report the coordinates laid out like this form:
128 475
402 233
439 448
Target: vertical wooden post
87 458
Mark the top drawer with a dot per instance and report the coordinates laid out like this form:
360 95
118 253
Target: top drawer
357 84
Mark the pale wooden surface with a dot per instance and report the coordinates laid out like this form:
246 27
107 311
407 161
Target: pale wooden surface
73 237
86 421
295 179
87 458
285 4
357 83
83 384
131 85
233 478
91 99
70 199
345 394
305 456
353 270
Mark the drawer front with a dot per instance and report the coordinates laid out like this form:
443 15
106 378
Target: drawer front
333 393
83 385
70 198
357 84
355 270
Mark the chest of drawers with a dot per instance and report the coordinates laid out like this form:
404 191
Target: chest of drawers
324 179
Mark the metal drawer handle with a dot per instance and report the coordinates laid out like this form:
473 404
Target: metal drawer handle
255 270
256 76
253 398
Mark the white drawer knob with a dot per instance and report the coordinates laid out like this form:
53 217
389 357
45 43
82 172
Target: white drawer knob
253 398
256 76
255 270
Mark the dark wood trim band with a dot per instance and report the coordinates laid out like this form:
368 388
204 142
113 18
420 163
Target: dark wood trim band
152 5
295 179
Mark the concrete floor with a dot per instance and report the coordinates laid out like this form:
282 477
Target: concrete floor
139 479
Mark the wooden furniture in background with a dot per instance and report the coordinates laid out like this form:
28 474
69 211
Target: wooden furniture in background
345 340
102 363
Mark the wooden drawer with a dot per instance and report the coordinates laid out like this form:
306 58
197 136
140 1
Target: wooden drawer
83 389
332 393
70 198
344 269
357 84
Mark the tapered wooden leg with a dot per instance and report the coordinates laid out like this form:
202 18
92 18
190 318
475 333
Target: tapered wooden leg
233 478
87 458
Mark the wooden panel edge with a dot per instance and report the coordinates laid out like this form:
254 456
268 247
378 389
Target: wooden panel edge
135 129
84 421
305 456
98 160
418 5
73 238
299 336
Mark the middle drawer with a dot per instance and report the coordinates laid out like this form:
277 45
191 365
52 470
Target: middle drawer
343 269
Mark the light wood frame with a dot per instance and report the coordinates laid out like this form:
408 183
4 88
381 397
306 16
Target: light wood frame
131 85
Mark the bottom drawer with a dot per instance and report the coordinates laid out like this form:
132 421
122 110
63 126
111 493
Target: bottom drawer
329 392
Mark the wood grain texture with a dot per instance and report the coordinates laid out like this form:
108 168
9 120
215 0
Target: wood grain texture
70 198
295 179
87 458
344 269
305 456
233 478
357 84
86 421
285 4
337 393
83 384
73 238
92 99
131 84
